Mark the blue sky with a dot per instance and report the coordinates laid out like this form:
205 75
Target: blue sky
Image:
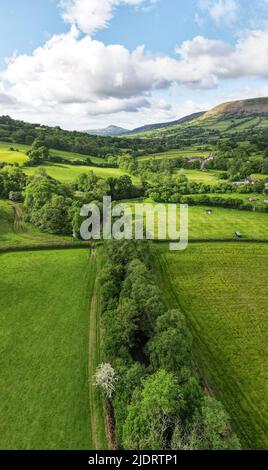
163 88
27 24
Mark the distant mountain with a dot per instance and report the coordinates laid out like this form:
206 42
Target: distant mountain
151 127
240 108
108 131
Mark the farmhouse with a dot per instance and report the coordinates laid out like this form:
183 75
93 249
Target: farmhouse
196 159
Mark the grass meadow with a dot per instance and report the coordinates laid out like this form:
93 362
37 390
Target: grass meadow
69 173
222 289
45 333
19 156
9 156
221 224
209 177
173 154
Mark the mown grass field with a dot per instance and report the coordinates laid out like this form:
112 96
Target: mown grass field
206 177
14 232
190 152
222 288
221 224
45 331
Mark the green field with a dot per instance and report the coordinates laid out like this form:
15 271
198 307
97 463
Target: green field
68 173
222 288
190 152
209 177
8 156
222 223
44 386
259 176
14 232
72 156
62 172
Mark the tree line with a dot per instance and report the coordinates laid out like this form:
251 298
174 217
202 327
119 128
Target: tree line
152 385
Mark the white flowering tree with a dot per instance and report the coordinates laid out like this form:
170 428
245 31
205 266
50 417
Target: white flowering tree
105 378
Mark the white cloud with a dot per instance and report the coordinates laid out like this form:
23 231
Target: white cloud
224 11
221 11
78 77
207 61
200 46
92 15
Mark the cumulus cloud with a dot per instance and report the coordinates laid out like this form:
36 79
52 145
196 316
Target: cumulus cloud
208 61
92 15
79 76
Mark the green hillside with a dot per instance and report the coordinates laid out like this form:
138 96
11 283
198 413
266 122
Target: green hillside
237 120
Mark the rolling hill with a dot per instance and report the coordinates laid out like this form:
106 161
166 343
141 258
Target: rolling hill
108 131
258 106
226 118
162 125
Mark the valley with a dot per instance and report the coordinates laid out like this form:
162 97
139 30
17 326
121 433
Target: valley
189 323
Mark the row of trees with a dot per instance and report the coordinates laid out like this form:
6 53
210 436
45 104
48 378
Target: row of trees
171 188
217 201
154 389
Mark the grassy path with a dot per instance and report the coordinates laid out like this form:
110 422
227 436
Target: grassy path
96 408
19 224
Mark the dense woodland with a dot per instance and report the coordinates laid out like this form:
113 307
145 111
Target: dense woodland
72 141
